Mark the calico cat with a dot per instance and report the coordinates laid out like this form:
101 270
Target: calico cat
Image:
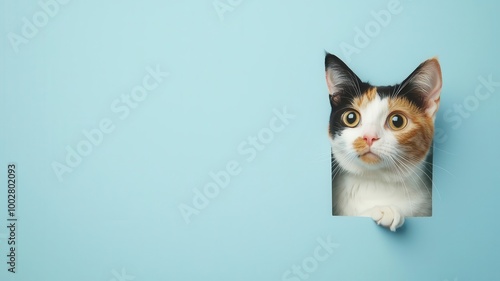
381 139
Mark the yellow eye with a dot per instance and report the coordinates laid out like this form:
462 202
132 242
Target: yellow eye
397 121
351 118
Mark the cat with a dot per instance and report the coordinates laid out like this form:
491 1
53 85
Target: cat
381 139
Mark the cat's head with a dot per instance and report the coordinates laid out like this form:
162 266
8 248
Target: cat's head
376 128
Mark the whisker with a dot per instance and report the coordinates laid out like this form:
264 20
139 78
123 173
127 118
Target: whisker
407 193
429 177
437 148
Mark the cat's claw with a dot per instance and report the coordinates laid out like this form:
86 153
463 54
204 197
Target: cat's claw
388 216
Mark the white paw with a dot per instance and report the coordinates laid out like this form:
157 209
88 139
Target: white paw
387 216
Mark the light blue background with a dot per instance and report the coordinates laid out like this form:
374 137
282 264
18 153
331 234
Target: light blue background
119 209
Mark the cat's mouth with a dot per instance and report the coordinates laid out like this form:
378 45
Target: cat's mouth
369 157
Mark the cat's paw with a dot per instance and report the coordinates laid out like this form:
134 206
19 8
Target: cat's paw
388 216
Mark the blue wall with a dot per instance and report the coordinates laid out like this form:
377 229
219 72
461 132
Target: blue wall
160 140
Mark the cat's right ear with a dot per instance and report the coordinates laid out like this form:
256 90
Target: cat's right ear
338 77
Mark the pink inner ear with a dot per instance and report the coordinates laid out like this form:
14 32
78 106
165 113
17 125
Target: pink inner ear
432 109
430 79
433 99
334 78
330 81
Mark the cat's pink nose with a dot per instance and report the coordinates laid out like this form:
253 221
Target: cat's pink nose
370 139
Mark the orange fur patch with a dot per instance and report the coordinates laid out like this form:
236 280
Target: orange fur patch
370 158
362 148
416 137
360 145
367 96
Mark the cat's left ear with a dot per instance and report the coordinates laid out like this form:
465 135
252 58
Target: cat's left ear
427 81
339 78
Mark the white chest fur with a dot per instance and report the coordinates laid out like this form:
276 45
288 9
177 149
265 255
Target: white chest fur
356 195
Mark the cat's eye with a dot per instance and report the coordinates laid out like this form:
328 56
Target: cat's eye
351 118
397 121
